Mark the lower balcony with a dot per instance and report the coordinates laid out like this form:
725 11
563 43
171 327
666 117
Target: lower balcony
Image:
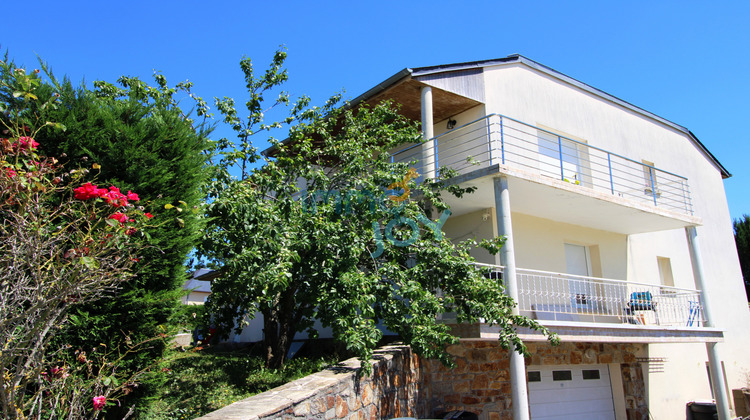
591 309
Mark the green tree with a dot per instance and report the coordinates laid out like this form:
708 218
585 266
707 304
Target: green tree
312 235
742 239
140 140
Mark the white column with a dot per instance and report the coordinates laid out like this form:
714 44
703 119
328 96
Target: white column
519 392
428 147
714 361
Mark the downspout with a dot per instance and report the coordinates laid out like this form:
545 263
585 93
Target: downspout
714 361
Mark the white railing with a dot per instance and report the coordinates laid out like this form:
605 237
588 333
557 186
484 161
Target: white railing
565 297
497 139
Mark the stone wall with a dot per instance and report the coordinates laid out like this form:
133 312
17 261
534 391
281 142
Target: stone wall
337 393
404 385
635 391
480 382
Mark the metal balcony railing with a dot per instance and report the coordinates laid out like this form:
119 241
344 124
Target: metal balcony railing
497 139
564 297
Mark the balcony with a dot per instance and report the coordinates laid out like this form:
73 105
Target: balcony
603 186
605 310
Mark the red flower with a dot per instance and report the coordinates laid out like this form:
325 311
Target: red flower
148 215
120 217
88 191
114 197
99 402
27 143
133 196
130 231
11 173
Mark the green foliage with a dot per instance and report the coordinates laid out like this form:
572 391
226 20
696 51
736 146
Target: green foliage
742 239
62 244
201 382
302 238
140 139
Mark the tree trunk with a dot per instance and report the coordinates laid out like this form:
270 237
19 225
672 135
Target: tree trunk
270 336
279 328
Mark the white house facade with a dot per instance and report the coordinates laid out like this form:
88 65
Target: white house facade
619 236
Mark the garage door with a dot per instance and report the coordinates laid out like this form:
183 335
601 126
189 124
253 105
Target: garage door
579 392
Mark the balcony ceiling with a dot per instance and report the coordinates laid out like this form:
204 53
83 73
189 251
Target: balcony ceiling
564 202
407 93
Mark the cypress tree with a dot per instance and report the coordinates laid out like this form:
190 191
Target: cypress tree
145 143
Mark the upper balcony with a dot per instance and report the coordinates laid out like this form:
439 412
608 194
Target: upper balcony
580 184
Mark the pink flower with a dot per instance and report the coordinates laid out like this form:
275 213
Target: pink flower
11 173
27 143
148 215
88 191
99 402
114 197
120 217
133 196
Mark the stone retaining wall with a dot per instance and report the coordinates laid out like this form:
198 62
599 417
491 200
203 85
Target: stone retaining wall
337 393
405 385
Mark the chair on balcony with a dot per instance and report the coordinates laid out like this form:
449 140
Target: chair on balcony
694 314
640 301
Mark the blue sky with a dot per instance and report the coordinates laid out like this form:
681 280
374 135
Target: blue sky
686 61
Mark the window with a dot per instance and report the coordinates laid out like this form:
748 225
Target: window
649 179
665 271
558 157
577 262
535 376
589 374
562 375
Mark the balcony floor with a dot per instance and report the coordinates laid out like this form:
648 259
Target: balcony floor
552 199
598 333
616 333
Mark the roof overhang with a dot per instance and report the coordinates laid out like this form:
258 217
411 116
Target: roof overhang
405 90
379 93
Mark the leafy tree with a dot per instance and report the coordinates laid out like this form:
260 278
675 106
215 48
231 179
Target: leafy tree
742 239
313 234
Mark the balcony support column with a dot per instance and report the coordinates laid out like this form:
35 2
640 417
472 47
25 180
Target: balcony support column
714 360
429 151
519 391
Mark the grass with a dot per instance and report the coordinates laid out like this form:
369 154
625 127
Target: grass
203 381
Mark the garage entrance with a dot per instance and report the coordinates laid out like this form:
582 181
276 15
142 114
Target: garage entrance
570 392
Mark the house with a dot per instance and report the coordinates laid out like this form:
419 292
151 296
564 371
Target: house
619 240
198 287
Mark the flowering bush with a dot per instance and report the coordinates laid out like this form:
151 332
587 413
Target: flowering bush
99 402
63 241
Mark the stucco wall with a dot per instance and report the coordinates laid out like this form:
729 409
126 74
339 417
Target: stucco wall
542 100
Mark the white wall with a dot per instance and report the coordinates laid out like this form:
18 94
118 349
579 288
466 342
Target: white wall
523 93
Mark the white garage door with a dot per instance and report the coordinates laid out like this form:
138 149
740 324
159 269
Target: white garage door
579 392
